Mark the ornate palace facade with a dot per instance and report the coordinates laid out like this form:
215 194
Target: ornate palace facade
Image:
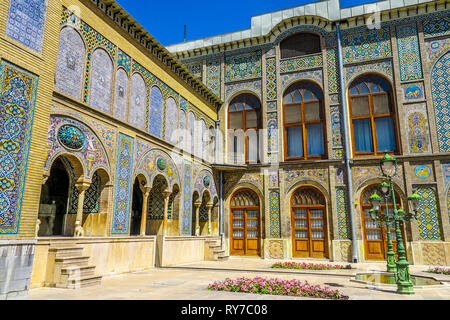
118 155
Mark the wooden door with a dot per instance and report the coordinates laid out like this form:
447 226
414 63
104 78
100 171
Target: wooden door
244 224
309 231
375 236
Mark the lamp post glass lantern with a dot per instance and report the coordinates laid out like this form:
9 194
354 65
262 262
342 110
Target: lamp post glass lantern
389 168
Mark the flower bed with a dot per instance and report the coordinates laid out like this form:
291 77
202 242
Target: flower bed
439 270
276 286
310 266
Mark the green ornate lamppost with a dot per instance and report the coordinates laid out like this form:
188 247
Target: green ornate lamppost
389 168
375 199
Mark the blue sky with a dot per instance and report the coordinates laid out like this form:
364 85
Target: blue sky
165 20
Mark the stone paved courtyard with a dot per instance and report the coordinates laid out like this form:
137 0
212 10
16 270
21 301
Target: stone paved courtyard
189 282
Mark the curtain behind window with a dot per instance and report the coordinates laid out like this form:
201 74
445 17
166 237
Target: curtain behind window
385 134
294 137
363 135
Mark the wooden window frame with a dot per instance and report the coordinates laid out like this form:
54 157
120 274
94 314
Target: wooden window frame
303 124
309 229
245 129
372 118
382 229
244 209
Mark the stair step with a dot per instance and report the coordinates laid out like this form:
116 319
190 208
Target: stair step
223 258
67 251
72 271
77 261
84 282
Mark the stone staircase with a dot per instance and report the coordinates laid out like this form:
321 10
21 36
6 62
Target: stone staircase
71 269
214 250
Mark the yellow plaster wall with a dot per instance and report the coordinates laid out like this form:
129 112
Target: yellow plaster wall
109 255
178 250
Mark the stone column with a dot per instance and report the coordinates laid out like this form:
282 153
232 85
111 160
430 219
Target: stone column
146 194
82 185
166 195
197 205
209 207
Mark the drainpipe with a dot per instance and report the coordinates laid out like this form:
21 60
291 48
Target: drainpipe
216 160
347 148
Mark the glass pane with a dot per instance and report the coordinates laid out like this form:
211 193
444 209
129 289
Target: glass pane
252 214
238 223
293 114
360 106
294 136
371 224
315 139
316 213
300 213
363 89
317 234
238 214
373 235
301 234
374 88
252 223
288 98
307 96
238 234
363 135
385 134
381 104
236 120
301 224
393 235
252 233
317 224
297 96
251 118
366 213
313 111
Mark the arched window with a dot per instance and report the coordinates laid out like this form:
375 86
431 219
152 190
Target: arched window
156 107
245 227
309 224
191 135
182 134
212 144
101 81
70 68
375 237
138 101
304 122
120 103
300 44
244 122
171 120
372 112
204 140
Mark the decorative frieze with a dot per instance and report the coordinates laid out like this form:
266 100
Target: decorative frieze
364 44
243 66
301 63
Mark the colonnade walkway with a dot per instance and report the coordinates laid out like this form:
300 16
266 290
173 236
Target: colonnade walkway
190 282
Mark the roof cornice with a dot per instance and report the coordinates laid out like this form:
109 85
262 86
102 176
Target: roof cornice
324 14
